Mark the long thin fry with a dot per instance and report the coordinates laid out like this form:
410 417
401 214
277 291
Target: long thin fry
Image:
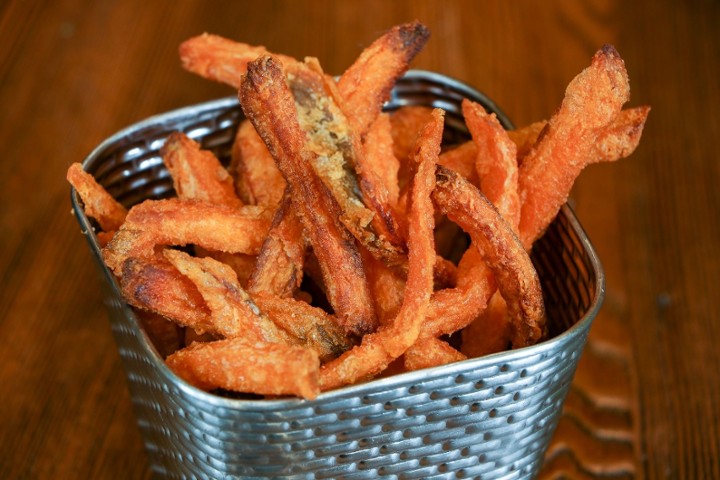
197 174
367 83
517 279
241 365
232 312
257 178
99 204
379 349
430 352
279 267
220 59
268 102
184 222
592 100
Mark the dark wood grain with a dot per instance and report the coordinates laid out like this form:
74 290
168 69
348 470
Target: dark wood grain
646 396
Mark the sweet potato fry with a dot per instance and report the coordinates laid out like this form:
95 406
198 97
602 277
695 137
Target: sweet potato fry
430 352
496 161
241 365
406 123
279 267
99 204
452 309
184 222
461 159
339 160
377 350
197 174
380 157
516 277
220 59
268 103
367 83
154 285
315 328
232 312
257 178
592 100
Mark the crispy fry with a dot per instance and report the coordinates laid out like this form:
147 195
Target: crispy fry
406 123
197 174
454 308
380 156
267 101
99 204
279 267
490 332
241 365
592 100
510 264
430 352
154 285
496 161
184 222
232 312
379 349
220 59
257 178
311 325
339 160
367 83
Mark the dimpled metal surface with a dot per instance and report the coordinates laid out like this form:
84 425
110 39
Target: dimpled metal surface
486 418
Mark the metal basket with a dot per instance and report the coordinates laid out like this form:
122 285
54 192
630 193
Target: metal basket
490 417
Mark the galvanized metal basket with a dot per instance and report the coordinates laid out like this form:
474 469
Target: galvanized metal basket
491 417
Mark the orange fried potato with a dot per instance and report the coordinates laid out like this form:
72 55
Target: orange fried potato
154 285
279 267
197 174
312 326
430 352
220 59
267 101
183 222
515 274
367 83
232 312
380 156
99 204
377 350
592 100
496 161
241 365
257 178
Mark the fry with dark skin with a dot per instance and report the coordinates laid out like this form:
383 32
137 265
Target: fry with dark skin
367 83
315 328
377 350
268 103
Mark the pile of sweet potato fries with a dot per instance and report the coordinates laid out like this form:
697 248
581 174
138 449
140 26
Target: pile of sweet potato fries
317 257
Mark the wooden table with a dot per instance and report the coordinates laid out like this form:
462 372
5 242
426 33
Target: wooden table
646 397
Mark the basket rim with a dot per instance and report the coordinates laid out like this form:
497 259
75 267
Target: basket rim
372 386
